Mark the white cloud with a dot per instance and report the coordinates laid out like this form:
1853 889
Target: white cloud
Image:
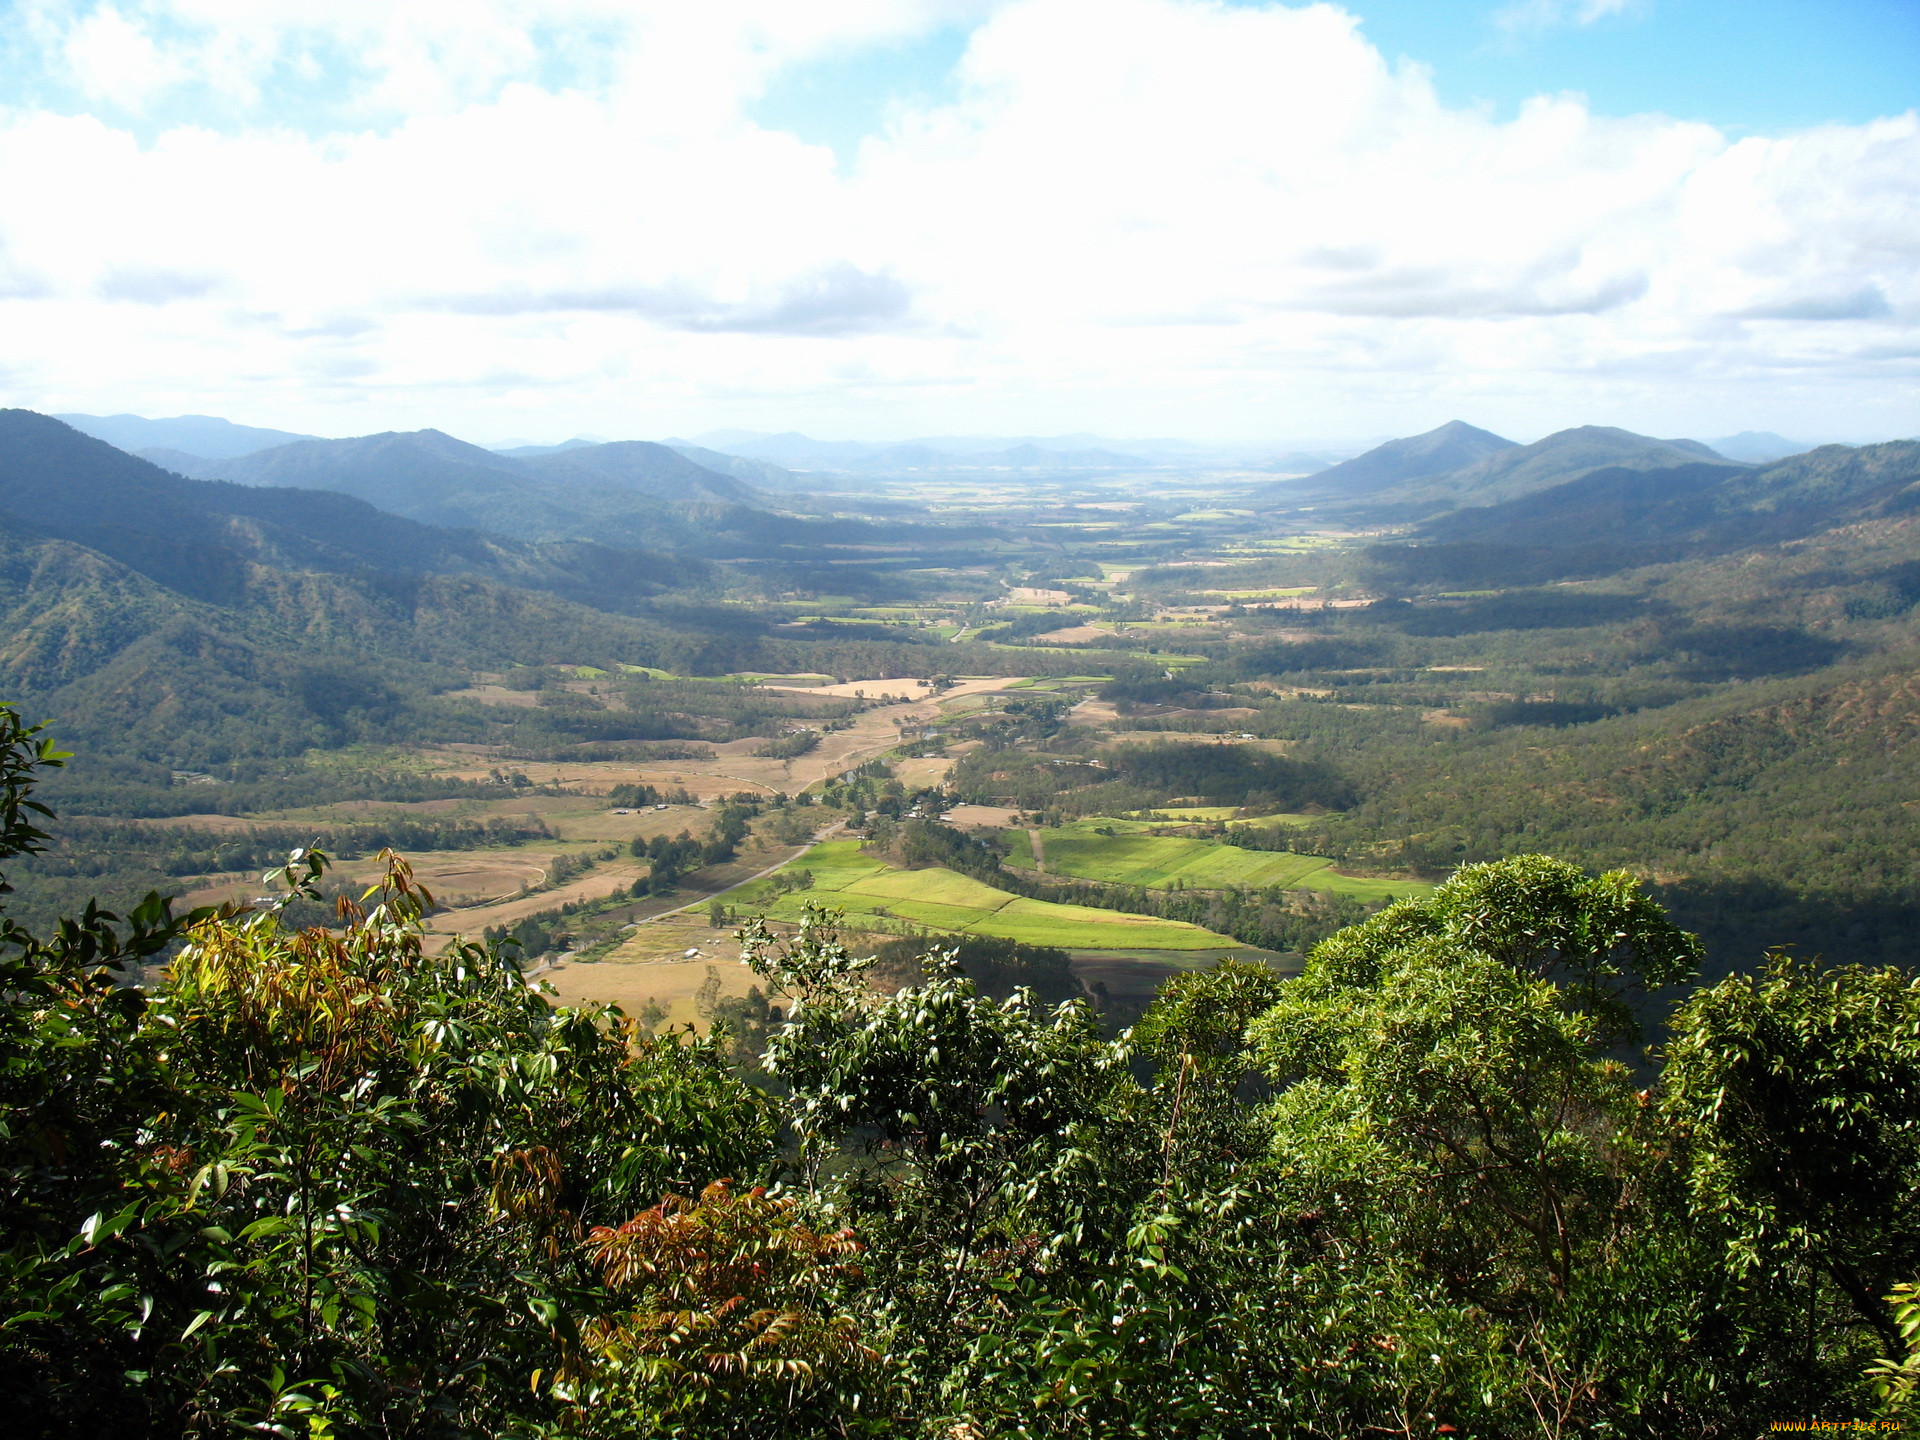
1138 215
114 59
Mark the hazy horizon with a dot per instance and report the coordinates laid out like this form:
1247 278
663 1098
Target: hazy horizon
714 439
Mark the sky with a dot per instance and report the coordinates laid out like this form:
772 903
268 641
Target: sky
885 218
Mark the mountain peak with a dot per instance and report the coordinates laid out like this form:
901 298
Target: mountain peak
1451 446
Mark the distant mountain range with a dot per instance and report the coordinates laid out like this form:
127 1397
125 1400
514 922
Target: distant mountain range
629 492
1473 509
426 470
1758 446
521 450
205 435
767 461
764 461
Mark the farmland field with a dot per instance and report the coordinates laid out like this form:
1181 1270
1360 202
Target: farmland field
1160 861
940 899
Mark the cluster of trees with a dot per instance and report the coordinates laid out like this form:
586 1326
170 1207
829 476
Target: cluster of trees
1141 777
131 788
322 1182
652 710
1031 718
671 857
634 797
871 786
588 926
1272 918
998 969
535 935
790 747
674 856
91 847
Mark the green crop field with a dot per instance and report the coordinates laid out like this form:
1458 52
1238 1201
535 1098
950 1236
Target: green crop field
1124 858
939 899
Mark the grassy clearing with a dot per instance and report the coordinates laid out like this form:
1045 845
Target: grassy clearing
939 899
1125 858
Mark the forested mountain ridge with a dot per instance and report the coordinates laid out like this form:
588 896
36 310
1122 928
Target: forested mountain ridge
1523 469
760 474
1761 447
427 475
282 662
1703 508
644 468
195 536
1425 477
191 622
1781 815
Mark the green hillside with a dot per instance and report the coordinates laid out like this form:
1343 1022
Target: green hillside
939 899
1161 862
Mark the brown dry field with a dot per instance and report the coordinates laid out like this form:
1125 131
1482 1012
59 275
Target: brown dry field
857 689
1093 712
1077 635
597 884
972 817
733 767
496 695
755 859
1192 737
653 965
923 771
463 877
581 819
